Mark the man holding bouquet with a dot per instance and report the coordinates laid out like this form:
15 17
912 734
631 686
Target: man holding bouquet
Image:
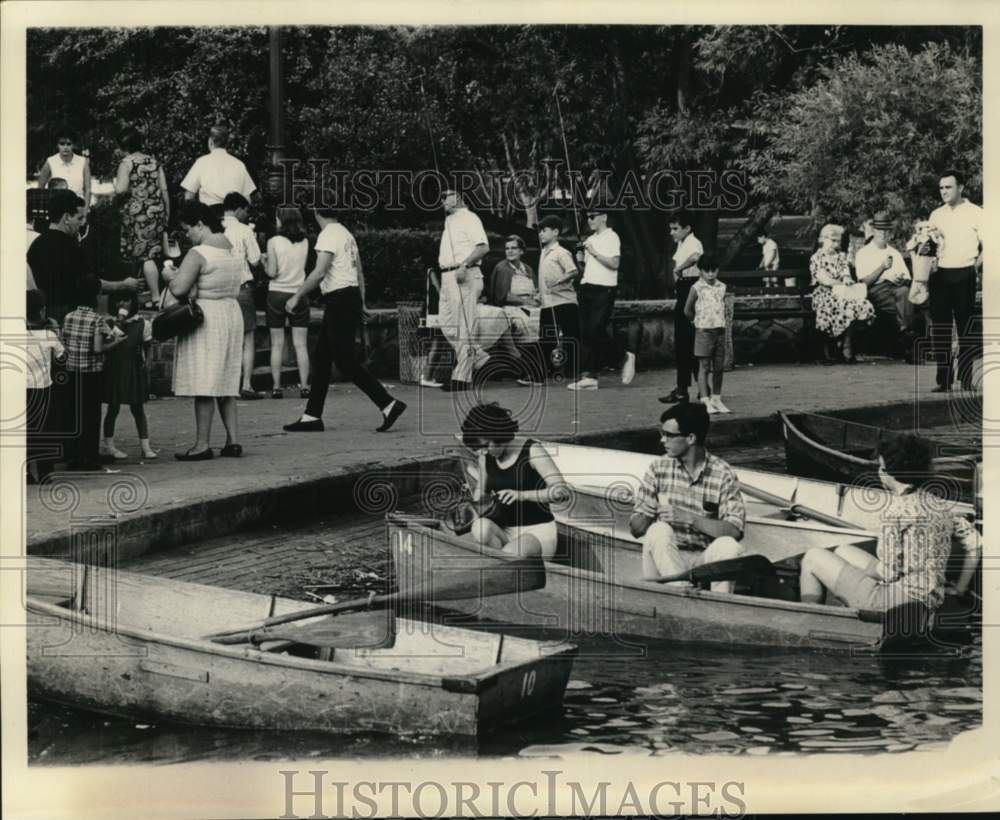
953 286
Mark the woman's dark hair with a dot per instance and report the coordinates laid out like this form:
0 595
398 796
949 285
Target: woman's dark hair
34 304
193 212
293 226
132 140
908 458
488 422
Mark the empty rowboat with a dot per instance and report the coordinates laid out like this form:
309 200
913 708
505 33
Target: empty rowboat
134 645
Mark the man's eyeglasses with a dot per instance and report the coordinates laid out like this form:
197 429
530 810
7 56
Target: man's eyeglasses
665 436
592 216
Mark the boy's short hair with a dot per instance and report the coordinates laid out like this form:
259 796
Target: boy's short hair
708 261
551 221
56 184
63 202
691 418
234 201
87 290
34 304
682 218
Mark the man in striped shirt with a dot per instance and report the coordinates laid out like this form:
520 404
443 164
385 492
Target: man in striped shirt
688 510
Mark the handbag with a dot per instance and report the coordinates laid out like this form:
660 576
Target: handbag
177 319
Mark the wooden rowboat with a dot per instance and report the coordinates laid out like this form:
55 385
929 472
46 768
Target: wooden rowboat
594 588
834 449
131 644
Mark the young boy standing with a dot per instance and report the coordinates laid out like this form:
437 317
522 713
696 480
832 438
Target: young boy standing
706 309
685 263
40 346
87 338
560 310
241 237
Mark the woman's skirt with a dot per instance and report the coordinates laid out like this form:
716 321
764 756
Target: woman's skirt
207 361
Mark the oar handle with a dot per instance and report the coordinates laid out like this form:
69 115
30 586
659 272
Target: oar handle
798 509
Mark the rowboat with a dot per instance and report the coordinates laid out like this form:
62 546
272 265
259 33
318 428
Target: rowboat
131 644
594 583
838 450
594 588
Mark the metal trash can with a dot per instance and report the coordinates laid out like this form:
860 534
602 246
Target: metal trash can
412 348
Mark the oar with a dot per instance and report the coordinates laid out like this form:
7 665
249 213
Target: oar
370 630
797 509
732 569
498 578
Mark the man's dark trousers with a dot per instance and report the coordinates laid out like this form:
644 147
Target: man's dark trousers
953 297
342 319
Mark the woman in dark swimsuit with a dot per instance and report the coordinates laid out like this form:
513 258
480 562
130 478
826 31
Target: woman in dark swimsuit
521 477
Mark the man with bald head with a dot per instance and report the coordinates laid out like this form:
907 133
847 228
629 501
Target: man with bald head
217 173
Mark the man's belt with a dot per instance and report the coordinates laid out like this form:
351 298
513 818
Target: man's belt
467 267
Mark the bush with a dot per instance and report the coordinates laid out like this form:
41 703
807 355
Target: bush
103 242
395 262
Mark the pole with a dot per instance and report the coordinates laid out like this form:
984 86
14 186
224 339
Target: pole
276 99
569 173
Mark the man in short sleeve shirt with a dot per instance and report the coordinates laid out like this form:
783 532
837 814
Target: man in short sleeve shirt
217 173
685 271
688 510
952 286
463 245
602 257
881 267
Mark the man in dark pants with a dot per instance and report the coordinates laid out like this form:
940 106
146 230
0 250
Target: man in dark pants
340 278
952 286
685 264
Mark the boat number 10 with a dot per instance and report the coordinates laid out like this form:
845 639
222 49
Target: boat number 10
528 683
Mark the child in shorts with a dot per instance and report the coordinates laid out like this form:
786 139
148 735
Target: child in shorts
705 307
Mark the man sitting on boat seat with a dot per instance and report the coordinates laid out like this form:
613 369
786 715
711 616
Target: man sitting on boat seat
689 509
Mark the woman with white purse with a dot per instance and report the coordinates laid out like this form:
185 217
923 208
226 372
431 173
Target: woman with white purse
838 301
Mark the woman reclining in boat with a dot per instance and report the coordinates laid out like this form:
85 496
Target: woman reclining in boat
913 545
522 479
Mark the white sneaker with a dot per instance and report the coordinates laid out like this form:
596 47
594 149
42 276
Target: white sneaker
719 406
584 384
709 405
628 369
529 383
429 382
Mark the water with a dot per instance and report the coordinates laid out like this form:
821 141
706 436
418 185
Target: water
677 698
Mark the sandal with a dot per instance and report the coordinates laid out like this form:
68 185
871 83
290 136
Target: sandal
277 393
304 393
203 455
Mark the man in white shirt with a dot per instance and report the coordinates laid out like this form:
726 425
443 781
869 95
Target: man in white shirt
602 256
685 264
241 236
952 286
881 267
340 278
770 259
463 245
217 173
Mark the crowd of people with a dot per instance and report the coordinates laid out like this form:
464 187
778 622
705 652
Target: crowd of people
565 307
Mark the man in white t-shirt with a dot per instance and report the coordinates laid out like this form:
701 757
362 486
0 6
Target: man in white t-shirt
685 272
463 245
217 173
881 267
244 241
953 285
340 278
602 256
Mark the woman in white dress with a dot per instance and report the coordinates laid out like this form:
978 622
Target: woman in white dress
207 361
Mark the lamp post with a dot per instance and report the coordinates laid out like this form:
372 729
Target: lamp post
276 131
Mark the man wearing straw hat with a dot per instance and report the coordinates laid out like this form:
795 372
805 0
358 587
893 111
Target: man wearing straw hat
881 267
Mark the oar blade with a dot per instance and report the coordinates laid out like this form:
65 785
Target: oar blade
481 577
733 569
375 629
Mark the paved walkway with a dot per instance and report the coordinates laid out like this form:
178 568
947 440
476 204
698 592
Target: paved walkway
275 459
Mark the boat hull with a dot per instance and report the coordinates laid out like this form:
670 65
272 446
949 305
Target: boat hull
436 680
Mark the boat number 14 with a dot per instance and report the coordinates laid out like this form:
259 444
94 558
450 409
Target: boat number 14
528 683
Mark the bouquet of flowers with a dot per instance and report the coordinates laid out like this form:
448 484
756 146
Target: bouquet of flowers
923 247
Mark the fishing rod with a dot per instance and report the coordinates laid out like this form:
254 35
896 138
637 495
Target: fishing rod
569 173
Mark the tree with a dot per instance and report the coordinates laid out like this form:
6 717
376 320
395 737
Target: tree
875 131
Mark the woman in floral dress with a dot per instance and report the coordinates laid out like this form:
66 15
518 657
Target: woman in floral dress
145 211
836 306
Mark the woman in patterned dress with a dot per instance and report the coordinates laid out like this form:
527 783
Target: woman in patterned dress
145 211
207 361
836 312
913 546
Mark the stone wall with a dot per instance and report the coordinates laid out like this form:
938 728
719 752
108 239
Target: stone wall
647 327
